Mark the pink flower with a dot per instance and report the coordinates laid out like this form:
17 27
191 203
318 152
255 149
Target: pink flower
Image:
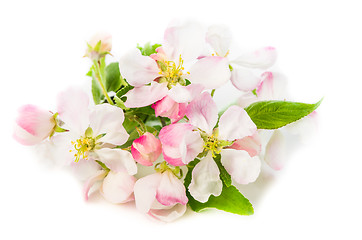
239 161
33 125
161 195
166 69
146 149
167 107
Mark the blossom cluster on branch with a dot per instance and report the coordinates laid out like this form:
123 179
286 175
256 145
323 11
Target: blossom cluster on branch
153 133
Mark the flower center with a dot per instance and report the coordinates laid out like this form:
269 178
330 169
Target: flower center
163 166
213 144
172 72
83 145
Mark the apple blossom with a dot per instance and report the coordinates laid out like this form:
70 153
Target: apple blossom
99 45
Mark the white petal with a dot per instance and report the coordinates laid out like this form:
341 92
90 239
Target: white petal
275 151
145 191
246 99
219 37
117 187
98 176
117 160
137 69
185 39
108 119
211 72
184 94
244 79
146 95
171 190
262 58
205 180
202 112
72 106
235 123
167 214
190 146
272 87
238 163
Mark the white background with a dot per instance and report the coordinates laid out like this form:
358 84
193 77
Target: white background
316 196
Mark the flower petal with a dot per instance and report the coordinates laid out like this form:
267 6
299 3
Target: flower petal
262 58
246 99
202 112
72 106
117 187
117 160
238 163
205 180
145 191
177 40
191 145
172 138
98 176
251 144
146 149
146 95
219 37
235 123
272 87
171 190
167 214
244 79
211 72
107 119
275 151
185 94
167 107
138 69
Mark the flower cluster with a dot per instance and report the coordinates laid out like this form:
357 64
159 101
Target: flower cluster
154 134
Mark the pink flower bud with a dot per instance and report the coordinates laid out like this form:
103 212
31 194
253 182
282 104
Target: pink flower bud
146 149
33 125
94 50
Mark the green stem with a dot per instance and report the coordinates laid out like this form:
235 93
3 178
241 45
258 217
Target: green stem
141 123
100 81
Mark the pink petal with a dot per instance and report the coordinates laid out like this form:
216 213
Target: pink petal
106 41
137 69
172 140
251 144
205 180
185 94
146 95
73 109
107 119
191 145
146 149
272 87
235 123
177 40
244 79
118 187
219 37
202 112
98 176
117 160
145 191
262 58
167 107
171 190
211 72
238 163
275 151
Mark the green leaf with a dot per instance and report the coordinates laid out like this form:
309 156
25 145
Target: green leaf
224 175
230 199
148 49
276 114
124 90
113 77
